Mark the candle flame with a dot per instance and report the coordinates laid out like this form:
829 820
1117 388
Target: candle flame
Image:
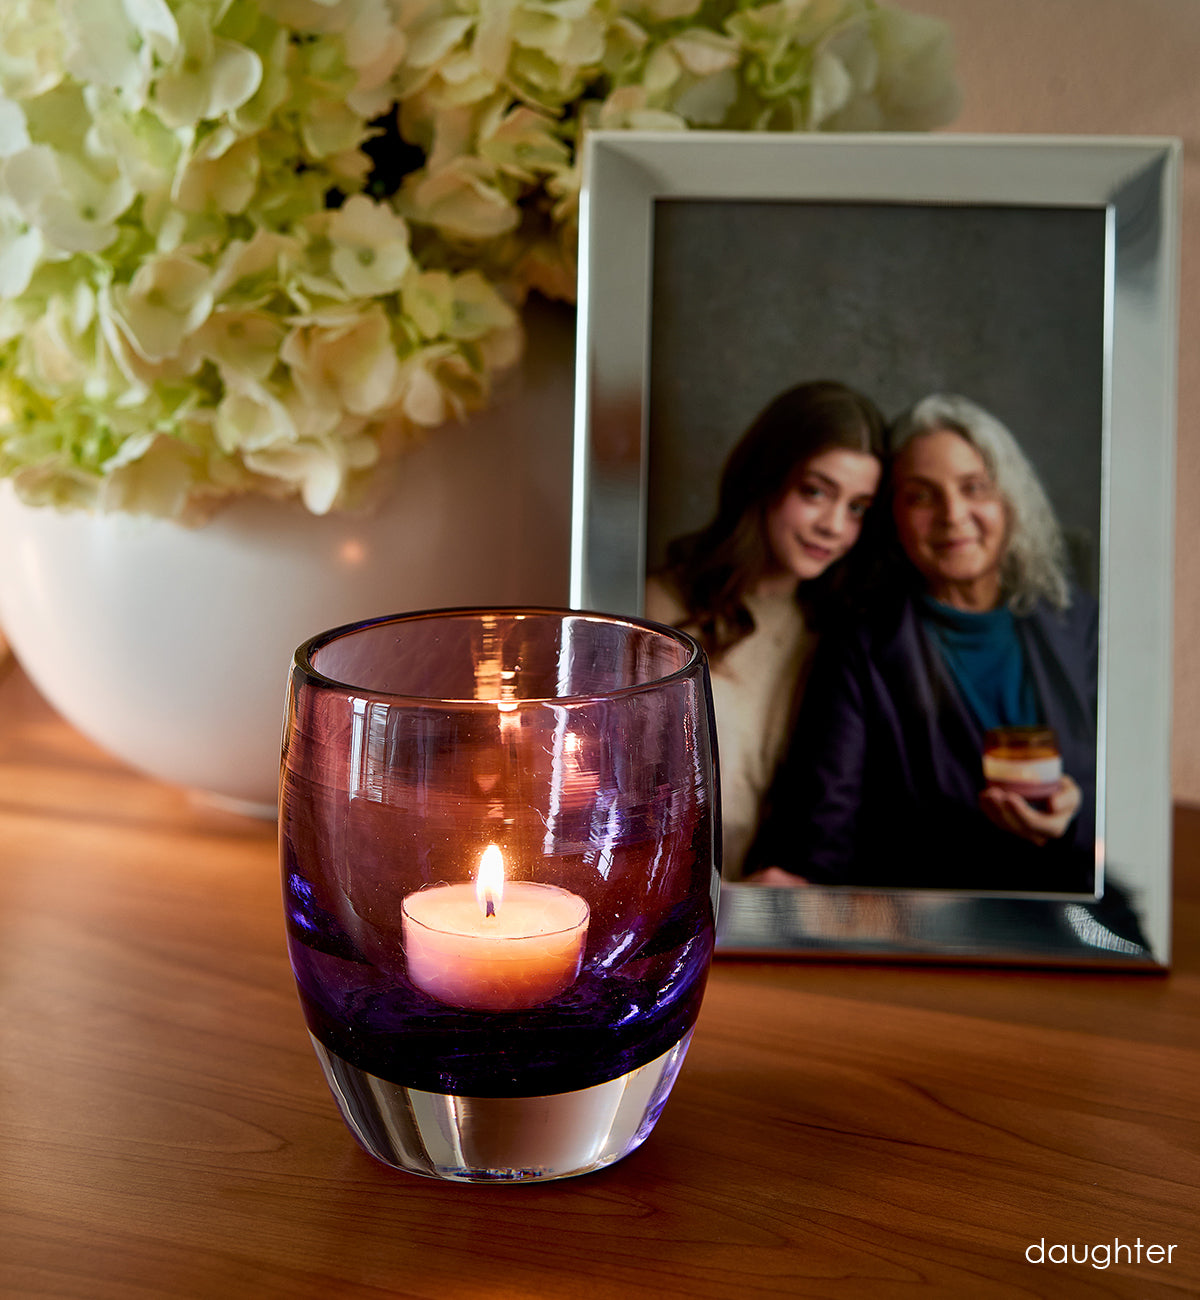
489 881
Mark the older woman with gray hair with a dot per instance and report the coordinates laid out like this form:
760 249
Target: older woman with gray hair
884 784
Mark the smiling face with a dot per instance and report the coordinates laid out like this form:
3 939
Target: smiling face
818 520
952 521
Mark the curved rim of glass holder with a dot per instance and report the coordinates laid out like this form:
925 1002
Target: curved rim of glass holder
302 660
502 1139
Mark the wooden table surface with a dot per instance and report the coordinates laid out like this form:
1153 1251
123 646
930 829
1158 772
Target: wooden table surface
838 1130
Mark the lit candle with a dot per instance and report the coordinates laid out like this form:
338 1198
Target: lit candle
496 945
1025 760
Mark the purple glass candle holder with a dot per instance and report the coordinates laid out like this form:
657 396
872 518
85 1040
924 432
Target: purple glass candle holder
497 837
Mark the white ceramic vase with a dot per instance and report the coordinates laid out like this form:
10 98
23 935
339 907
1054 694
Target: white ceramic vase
170 646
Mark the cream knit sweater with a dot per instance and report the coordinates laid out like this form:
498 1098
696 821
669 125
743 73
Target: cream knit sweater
755 692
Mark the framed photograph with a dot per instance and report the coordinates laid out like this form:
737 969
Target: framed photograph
887 422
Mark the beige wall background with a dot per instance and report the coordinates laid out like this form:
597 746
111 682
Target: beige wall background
1110 67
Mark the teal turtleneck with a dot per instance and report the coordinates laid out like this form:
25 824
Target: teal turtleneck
986 660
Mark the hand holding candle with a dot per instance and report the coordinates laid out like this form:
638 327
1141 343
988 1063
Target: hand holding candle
495 945
1027 791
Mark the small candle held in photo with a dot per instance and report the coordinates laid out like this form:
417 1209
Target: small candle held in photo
1023 760
495 944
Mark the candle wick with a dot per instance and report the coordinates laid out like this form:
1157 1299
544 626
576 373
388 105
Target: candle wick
490 910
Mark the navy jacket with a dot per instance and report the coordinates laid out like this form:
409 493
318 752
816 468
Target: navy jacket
881 783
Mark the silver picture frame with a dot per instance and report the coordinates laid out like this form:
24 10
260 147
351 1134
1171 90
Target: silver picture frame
741 221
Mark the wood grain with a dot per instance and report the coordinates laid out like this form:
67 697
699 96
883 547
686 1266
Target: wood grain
838 1130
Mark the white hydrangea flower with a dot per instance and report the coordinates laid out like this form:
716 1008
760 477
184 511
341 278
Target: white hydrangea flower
252 418
167 299
44 477
523 143
319 468
205 288
141 147
456 306
908 85
375 44
114 43
703 53
151 474
273 46
74 205
370 247
207 76
137 373
21 247
242 344
218 175
31 44
437 384
61 352
569 34
349 366
461 199
629 109
330 127
250 272
14 134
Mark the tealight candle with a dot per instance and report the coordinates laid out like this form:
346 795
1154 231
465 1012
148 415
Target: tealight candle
1025 760
495 945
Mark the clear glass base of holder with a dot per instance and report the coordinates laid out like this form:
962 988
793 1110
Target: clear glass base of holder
502 1139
